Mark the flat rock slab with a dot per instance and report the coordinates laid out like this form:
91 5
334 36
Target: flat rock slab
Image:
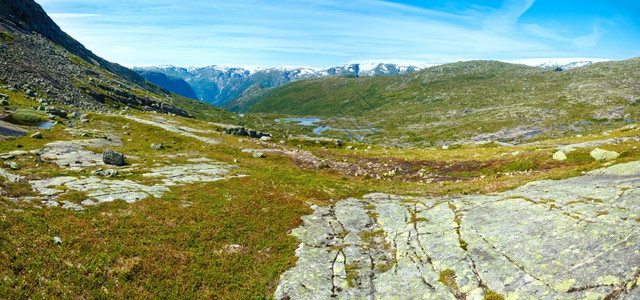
568 239
74 156
190 173
182 130
10 130
107 190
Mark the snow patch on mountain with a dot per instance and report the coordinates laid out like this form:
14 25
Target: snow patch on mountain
563 63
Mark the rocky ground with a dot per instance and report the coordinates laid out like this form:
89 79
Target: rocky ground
103 183
568 239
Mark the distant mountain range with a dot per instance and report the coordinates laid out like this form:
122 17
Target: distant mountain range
218 85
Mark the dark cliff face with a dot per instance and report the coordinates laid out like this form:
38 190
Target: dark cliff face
28 16
173 84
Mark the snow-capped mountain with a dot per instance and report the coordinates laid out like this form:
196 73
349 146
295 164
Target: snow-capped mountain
220 84
555 63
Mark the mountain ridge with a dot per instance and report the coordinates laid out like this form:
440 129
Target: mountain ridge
222 84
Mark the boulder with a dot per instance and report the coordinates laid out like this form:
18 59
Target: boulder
31 93
111 157
599 154
560 156
56 111
157 146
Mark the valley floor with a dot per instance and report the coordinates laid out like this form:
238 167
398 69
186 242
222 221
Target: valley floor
209 215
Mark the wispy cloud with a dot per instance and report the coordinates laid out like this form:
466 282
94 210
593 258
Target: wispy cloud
506 18
305 32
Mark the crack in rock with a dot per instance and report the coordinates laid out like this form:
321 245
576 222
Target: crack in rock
500 242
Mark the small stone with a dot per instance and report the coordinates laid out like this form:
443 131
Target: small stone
265 138
106 173
39 160
57 240
349 148
85 135
560 156
71 206
157 146
11 165
258 155
445 147
8 156
4 96
31 93
4 102
111 157
37 135
599 154
88 202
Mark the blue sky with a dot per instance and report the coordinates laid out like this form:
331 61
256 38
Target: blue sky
336 32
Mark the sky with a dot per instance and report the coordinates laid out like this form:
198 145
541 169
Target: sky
336 32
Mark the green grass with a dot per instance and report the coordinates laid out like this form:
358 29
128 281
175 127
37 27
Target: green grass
457 101
448 278
177 246
7 37
28 117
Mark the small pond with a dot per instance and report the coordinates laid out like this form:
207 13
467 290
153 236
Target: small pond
46 125
358 134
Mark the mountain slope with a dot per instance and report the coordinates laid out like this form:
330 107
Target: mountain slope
40 61
466 99
173 84
30 17
218 85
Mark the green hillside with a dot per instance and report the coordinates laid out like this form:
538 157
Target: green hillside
460 100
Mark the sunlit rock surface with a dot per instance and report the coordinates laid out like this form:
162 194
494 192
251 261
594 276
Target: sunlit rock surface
567 239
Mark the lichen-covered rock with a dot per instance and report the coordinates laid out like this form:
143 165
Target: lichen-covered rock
11 165
157 146
560 156
565 239
111 157
56 111
599 154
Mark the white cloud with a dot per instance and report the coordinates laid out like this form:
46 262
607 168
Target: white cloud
506 18
303 32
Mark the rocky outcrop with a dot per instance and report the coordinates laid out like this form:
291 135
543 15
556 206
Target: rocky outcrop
28 16
569 239
240 131
33 62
